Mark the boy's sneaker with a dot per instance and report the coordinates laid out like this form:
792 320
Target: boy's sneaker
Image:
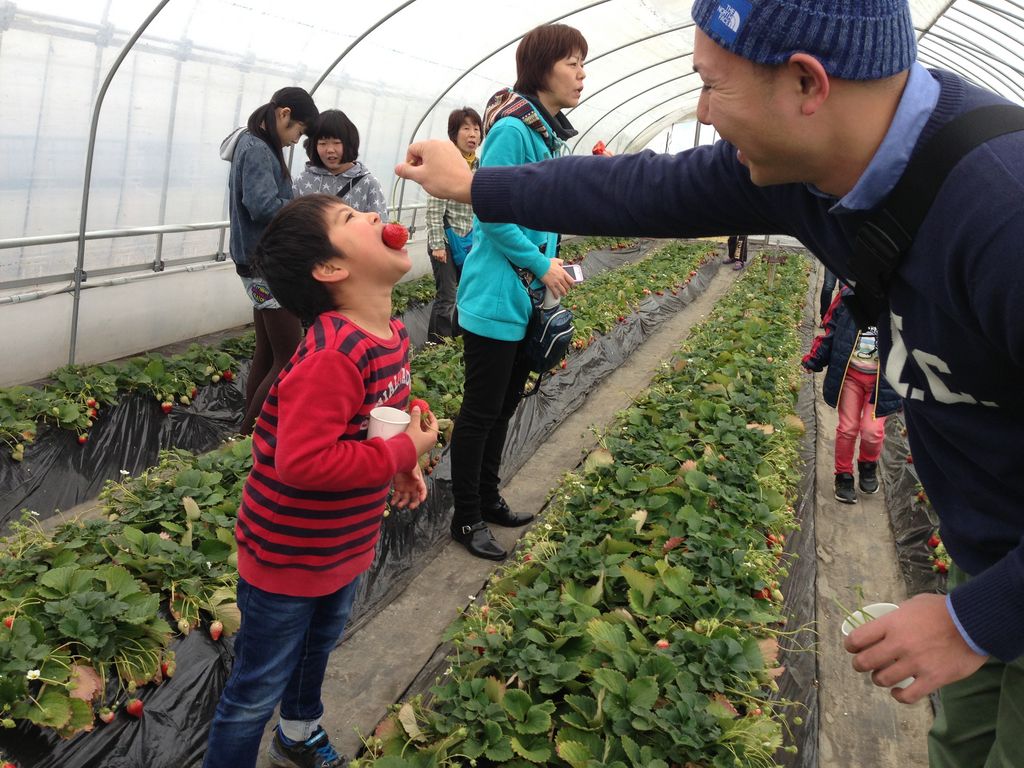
867 473
844 488
314 752
738 266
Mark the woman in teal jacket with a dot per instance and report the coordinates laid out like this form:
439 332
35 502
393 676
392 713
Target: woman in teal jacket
521 125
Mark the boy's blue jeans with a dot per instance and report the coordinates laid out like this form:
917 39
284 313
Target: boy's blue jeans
281 654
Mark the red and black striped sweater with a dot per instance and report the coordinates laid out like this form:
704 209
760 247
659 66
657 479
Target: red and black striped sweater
312 505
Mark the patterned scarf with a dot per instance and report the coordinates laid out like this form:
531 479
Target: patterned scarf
508 103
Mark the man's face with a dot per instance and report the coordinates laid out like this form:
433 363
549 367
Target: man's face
748 108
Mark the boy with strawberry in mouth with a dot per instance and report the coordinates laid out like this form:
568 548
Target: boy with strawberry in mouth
313 503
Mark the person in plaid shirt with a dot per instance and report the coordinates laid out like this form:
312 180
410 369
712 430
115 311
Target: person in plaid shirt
450 229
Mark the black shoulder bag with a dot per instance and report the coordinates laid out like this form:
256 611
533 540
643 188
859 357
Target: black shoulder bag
351 184
889 231
548 334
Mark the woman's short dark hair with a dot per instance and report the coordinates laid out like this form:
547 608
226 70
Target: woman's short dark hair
461 115
540 49
263 121
333 124
295 241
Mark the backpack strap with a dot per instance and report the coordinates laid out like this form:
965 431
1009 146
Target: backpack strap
351 185
889 231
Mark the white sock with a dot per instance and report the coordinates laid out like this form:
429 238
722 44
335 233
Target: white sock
298 730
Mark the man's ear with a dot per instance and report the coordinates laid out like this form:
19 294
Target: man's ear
813 81
326 272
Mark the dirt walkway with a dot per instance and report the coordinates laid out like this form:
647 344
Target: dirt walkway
860 723
373 669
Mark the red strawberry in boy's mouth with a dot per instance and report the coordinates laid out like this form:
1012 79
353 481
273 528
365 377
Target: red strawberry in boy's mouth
394 236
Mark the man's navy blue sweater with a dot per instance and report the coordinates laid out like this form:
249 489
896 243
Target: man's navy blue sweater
953 345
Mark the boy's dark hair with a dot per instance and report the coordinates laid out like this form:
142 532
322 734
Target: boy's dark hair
333 124
540 49
263 121
294 242
459 116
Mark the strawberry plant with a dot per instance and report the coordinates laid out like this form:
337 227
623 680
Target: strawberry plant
573 251
412 293
83 602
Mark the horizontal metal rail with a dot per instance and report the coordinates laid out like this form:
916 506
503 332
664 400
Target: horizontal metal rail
139 270
109 234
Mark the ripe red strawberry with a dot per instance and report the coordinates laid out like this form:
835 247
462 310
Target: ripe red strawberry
90 403
763 594
934 540
83 438
106 714
195 391
216 630
421 404
394 235
134 707
8 765
910 459
8 621
598 149
166 407
93 413
663 643
228 375
940 566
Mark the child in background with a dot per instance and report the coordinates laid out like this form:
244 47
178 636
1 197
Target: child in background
258 186
312 505
855 386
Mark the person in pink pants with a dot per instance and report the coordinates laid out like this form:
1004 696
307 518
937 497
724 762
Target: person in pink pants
854 385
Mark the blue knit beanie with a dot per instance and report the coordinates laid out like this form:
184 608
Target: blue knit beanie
853 39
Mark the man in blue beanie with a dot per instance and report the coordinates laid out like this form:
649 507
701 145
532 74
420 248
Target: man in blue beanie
820 104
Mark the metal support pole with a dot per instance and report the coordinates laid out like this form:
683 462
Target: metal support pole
80 262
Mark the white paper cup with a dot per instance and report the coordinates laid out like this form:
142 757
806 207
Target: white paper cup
873 611
386 422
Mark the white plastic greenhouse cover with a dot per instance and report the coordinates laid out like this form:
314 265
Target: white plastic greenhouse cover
199 67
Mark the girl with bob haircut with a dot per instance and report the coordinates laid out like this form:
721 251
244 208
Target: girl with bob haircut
521 125
332 146
259 185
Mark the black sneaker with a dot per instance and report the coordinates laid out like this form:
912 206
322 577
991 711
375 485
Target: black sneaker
314 752
867 474
844 488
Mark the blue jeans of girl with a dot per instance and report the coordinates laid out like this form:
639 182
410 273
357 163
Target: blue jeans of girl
281 654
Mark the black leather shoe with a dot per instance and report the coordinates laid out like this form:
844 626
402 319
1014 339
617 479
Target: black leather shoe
479 540
499 514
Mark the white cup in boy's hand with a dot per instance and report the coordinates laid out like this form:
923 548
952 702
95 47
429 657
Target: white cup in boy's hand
386 422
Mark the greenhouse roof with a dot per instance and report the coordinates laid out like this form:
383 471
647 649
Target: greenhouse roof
192 70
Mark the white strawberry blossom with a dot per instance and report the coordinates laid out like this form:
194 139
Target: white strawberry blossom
32 674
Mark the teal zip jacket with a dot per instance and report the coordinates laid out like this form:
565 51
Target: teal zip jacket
492 300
